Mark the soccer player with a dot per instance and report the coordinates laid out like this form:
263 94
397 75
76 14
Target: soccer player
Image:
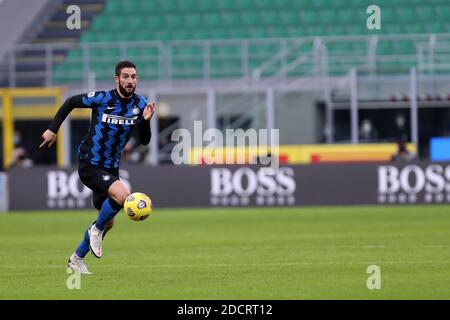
114 115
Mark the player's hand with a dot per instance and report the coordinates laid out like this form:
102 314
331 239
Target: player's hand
49 138
149 110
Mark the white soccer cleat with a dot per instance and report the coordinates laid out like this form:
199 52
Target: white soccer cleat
77 264
95 241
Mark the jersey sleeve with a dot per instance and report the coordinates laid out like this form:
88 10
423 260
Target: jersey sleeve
144 131
89 100
143 125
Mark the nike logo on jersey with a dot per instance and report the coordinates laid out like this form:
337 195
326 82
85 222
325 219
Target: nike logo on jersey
110 108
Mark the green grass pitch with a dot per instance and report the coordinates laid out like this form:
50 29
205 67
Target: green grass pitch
266 253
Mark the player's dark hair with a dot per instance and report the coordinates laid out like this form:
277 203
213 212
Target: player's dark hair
124 64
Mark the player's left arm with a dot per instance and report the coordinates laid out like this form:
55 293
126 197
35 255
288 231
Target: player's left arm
144 123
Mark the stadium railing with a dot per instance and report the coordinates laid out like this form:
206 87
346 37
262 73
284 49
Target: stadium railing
208 60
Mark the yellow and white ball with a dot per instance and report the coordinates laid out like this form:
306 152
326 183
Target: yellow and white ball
138 206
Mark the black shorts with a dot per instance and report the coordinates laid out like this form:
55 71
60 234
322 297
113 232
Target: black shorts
97 179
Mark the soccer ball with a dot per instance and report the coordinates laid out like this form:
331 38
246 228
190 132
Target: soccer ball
138 206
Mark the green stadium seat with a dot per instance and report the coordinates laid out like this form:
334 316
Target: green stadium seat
393 29
153 22
263 4
250 18
114 6
106 37
140 35
136 22
88 37
257 33
100 23
289 17
393 67
220 33
136 53
302 4
345 16
443 12
193 20
114 24
75 54
168 6
226 69
206 5
212 19
173 21
434 27
186 5
239 33
282 4
231 18
341 3
338 30
131 6
321 3
265 49
188 52
149 72
339 47
244 4
388 15
96 52
151 6
277 32
187 69
308 17
425 13
225 5
162 35
415 28
403 47
201 34
225 51
405 14
360 46
328 16
270 18
102 70
384 48
357 29
317 30
182 34
297 31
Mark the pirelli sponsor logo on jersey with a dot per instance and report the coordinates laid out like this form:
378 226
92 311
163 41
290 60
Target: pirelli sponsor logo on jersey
113 119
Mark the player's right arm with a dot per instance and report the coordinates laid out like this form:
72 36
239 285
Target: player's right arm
77 101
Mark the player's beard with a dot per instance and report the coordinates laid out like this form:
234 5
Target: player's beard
124 91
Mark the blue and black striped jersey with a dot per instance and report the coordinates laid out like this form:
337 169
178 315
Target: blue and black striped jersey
112 122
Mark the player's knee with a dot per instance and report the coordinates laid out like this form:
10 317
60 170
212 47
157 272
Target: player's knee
118 192
122 196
